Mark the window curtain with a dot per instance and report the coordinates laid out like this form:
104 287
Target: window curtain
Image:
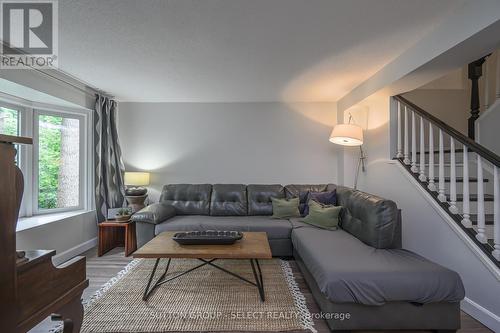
109 168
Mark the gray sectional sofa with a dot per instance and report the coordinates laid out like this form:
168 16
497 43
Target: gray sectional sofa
358 272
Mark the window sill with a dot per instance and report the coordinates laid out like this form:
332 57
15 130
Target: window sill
25 223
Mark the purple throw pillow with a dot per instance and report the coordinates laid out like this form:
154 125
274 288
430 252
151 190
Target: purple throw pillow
303 196
325 198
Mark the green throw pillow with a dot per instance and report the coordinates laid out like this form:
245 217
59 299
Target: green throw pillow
323 216
283 208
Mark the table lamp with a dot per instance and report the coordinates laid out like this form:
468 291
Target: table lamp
350 135
135 182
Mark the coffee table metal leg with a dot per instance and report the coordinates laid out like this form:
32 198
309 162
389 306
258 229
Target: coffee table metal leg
257 273
147 291
258 279
145 295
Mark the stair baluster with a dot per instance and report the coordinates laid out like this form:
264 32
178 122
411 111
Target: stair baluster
399 153
414 167
441 188
481 223
466 222
431 185
496 214
453 179
497 78
422 176
406 159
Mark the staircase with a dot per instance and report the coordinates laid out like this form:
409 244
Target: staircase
460 174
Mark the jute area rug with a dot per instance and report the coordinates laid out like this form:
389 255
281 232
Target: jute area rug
203 300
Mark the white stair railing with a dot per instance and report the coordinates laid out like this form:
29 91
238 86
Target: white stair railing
431 185
399 153
497 80
453 179
496 214
414 167
475 218
466 222
441 189
481 223
422 176
406 149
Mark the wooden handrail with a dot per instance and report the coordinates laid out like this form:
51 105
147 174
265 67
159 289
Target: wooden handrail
471 144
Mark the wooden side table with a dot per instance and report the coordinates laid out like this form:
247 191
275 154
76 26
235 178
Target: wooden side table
113 234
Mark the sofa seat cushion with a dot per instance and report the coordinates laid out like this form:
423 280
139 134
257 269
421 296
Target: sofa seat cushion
276 229
349 271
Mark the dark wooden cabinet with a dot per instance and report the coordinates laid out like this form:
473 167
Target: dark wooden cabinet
10 185
31 288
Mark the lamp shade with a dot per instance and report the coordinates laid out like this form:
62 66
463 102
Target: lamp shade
347 135
137 178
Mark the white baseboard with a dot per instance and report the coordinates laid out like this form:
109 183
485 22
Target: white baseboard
74 251
485 316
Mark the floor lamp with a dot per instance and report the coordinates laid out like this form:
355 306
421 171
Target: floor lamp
350 135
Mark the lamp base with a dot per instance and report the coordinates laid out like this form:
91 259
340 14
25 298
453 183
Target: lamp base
361 164
136 202
136 191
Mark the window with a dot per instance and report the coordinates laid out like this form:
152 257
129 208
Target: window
55 169
9 121
58 164
9 124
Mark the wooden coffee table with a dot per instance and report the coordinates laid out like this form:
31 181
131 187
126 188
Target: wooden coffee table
253 246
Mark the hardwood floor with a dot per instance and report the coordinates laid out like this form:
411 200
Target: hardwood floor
101 269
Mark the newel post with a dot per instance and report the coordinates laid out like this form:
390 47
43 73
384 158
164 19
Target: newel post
475 72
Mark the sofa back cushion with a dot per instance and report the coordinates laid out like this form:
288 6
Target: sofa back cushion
301 191
259 198
188 199
228 199
372 219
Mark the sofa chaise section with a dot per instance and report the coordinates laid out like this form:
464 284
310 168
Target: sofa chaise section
361 269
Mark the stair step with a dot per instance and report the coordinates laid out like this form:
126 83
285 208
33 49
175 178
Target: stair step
489 218
473 197
491 242
446 151
446 164
461 180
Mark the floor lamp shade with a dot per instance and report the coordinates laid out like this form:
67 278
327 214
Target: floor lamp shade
347 135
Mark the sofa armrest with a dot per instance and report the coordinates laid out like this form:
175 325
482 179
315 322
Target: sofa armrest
154 214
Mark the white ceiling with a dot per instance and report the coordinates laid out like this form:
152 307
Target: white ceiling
237 50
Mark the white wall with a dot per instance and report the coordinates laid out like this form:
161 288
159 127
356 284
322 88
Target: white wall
487 127
68 236
229 142
449 105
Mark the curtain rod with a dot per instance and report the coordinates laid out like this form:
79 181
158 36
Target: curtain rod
94 89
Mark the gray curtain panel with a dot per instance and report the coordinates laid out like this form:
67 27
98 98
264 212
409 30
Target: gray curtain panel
109 168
